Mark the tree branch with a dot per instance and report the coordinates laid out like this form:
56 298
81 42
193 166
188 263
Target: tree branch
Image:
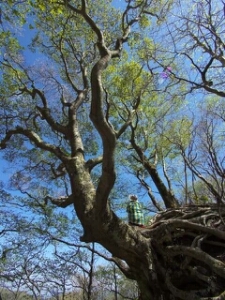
35 138
60 201
91 163
168 198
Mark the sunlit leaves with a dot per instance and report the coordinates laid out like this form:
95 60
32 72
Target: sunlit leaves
13 14
144 21
127 80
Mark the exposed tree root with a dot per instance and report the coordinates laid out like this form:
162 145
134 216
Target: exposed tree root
188 249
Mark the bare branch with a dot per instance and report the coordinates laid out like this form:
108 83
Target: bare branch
35 138
60 201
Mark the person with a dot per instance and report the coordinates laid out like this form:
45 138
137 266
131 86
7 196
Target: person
135 213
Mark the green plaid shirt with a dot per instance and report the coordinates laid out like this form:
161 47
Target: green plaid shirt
135 214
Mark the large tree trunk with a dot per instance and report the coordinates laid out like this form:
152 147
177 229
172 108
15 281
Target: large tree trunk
181 255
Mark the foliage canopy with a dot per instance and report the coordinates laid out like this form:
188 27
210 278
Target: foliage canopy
102 99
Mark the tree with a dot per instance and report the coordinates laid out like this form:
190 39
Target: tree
70 118
111 284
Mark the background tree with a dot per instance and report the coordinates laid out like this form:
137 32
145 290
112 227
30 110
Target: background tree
113 284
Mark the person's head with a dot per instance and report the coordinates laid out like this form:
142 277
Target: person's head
133 198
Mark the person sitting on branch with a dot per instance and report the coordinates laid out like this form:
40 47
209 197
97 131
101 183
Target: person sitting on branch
135 212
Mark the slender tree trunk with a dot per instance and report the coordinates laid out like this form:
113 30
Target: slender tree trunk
115 282
90 282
